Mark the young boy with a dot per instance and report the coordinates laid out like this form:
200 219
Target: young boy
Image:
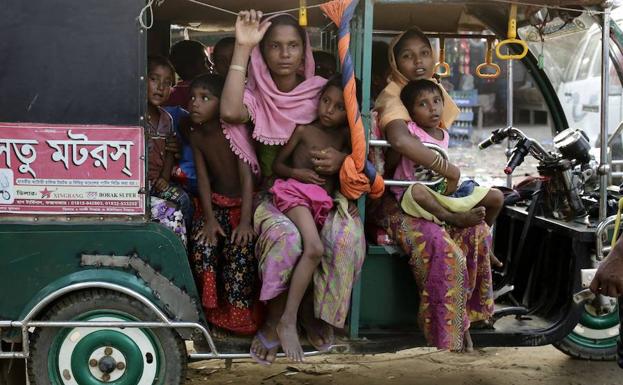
424 101
190 60
223 252
221 56
160 127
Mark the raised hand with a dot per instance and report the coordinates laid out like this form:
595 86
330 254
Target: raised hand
249 31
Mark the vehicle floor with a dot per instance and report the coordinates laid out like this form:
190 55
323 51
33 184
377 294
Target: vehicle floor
377 339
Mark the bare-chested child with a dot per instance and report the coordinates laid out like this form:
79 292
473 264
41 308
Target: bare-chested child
223 251
305 198
424 101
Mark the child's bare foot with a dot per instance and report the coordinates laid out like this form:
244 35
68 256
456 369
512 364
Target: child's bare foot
468 344
467 219
289 338
494 261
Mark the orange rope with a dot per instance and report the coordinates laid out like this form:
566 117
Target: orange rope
353 180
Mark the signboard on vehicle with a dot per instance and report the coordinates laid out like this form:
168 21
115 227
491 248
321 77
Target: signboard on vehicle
71 169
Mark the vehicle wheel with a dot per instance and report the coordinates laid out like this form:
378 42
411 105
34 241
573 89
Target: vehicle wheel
594 337
93 356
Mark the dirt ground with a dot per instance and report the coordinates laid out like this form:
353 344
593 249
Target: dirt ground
421 366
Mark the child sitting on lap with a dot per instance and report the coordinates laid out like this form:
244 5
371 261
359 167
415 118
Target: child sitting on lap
424 101
305 198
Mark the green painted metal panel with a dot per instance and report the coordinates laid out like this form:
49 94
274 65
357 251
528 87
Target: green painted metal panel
389 296
37 259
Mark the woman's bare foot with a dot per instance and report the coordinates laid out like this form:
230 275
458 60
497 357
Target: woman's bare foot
467 219
468 344
289 337
265 345
319 333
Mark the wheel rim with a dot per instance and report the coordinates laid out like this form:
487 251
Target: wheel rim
95 356
596 331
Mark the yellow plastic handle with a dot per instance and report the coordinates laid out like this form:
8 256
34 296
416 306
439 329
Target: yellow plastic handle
512 38
446 69
488 64
482 75
442 60
303 13
502 56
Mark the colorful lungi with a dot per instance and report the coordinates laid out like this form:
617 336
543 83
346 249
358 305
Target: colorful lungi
278 249
451 268
227 273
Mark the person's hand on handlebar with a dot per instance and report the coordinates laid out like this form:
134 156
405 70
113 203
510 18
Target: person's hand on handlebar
609 277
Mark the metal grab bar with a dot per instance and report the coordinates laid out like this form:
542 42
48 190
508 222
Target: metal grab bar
602 250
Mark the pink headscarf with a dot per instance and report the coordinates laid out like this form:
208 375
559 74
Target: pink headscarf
274 113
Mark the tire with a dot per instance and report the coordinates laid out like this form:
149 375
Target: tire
85 356
594 337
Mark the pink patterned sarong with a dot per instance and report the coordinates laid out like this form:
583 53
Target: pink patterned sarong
451 268
279 246
291 193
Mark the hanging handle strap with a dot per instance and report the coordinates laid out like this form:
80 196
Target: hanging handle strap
442 60
512 38
488 64
303 13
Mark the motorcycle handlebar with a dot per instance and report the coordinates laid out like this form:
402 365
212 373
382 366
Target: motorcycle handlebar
496 137
485 143
519 153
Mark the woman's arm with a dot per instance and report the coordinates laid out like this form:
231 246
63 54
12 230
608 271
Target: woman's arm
248 34
244 234
327 161
407 145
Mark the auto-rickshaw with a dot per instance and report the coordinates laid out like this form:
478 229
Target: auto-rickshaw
94 292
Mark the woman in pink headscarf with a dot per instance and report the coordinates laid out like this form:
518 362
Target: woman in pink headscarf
281 93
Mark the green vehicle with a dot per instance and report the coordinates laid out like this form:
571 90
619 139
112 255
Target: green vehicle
93 291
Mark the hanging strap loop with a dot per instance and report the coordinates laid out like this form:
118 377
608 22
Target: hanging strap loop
442 60
488 64
512 38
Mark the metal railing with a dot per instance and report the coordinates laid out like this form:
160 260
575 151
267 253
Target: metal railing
27 323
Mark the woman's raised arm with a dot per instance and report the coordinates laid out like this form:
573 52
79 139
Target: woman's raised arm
249 33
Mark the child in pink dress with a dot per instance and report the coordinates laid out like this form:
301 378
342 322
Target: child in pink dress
305 197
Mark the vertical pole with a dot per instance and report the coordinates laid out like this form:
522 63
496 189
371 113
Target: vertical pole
604 167
366 81
509 113
619 341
